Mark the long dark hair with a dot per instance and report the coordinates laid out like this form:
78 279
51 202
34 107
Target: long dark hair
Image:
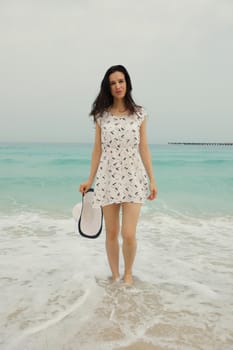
105 99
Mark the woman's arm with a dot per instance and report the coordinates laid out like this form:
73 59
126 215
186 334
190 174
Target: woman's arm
95 159
146 159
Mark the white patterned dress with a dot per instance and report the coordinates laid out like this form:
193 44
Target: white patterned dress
121 176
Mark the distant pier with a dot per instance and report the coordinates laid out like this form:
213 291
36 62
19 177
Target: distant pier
202 143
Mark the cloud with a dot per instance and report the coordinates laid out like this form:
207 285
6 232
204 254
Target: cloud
54 55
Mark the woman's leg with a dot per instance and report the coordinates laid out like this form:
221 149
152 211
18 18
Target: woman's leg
111 218
130 215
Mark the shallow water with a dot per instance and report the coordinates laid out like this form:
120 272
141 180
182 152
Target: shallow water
56 294
55 291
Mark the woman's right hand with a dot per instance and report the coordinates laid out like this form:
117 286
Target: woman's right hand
84 187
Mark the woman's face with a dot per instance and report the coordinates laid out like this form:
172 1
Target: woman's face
117 85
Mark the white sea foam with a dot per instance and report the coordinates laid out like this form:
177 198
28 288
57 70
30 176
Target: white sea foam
55 292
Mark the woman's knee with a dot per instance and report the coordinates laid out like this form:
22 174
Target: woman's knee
129 237
112 234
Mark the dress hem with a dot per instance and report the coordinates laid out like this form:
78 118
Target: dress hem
114 202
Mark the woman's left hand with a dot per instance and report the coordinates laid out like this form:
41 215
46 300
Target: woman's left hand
153 191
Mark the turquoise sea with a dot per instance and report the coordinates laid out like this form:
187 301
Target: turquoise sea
54 287
197 180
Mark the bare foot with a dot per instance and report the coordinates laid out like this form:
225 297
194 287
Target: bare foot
116 278
128 279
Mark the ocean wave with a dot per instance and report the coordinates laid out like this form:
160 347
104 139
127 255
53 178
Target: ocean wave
217 161
9 161
43 181
70 161
190 162
167 219
86 161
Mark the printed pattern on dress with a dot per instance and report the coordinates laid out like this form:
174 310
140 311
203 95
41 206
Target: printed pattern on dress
121 176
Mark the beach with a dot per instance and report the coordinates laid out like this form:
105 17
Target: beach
55 288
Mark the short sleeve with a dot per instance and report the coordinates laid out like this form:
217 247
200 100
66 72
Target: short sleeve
141 115
100 118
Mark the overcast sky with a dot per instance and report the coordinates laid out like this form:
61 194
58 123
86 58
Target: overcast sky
53 55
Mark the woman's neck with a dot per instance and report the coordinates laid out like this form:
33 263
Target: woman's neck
119 106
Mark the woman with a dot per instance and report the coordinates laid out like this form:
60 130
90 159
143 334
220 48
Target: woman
121 163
